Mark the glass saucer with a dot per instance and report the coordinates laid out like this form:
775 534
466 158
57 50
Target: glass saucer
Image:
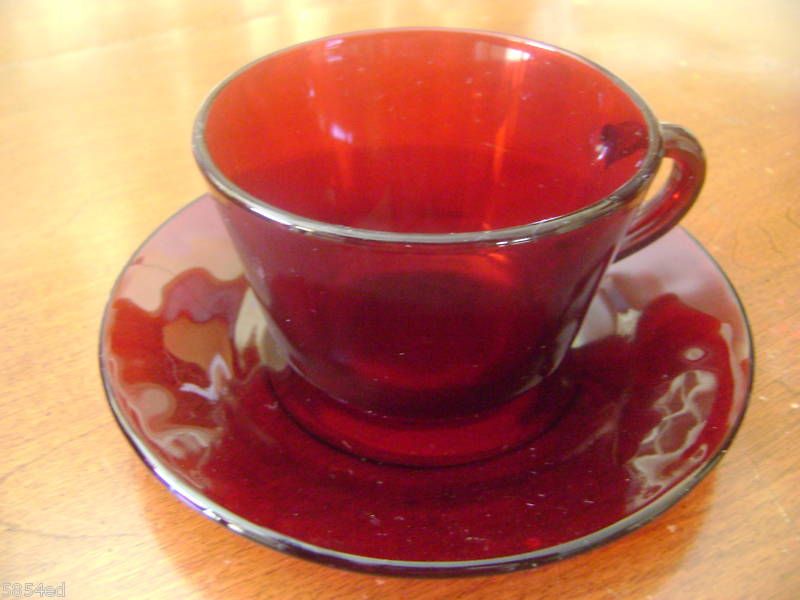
662 369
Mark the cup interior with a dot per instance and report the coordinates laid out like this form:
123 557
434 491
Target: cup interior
425 131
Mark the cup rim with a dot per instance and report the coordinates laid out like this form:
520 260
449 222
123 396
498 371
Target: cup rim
502 236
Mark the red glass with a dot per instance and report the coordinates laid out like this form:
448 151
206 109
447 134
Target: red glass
425 215
661 371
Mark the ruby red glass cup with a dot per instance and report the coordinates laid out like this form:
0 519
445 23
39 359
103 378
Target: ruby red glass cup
424 216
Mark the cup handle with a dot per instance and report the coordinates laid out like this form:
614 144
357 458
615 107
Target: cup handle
662 212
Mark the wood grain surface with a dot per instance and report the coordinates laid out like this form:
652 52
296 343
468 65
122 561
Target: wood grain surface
97 99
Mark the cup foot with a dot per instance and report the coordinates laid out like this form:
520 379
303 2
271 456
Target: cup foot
423 442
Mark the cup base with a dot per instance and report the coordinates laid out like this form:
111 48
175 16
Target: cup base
423 442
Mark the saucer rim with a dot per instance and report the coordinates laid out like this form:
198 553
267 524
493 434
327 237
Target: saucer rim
184 491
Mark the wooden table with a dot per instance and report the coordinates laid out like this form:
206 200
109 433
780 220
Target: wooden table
96 103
